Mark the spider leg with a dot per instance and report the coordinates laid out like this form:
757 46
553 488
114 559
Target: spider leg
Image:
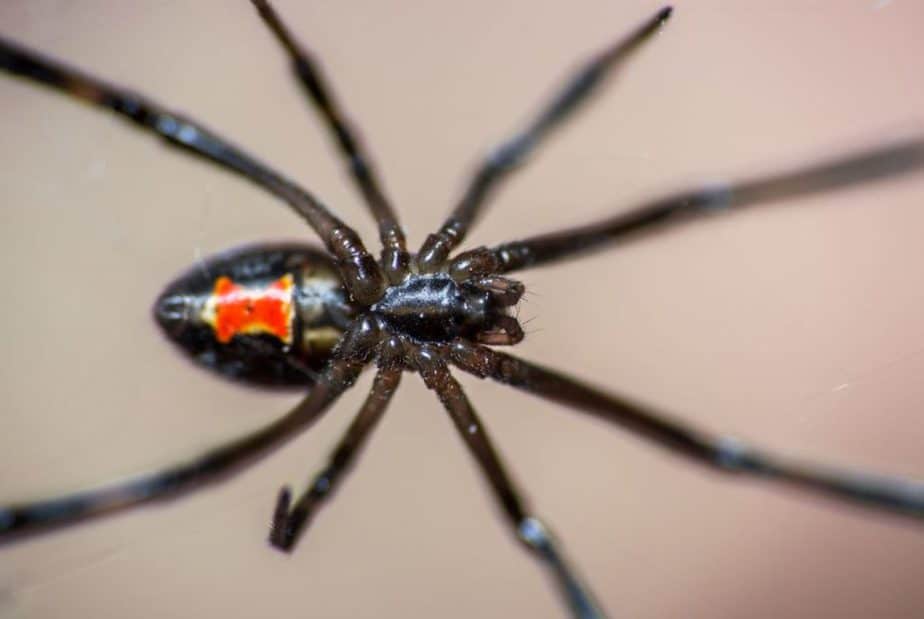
511 154
362 274
290 520
722 453
529 529
846 171
212 466
394 254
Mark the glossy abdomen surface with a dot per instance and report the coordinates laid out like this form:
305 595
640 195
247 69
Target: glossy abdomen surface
265 314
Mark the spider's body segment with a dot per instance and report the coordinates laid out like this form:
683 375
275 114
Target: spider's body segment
265 314
434 308
292 315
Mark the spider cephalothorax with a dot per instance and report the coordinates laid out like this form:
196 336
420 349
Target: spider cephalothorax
434 307
289 314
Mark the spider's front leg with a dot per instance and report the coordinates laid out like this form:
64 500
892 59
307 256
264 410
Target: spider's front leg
510 155
529 529
720 453
846 171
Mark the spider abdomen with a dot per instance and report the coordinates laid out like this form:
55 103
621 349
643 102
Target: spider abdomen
267 314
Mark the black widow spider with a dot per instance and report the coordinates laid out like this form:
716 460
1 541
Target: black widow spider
421 341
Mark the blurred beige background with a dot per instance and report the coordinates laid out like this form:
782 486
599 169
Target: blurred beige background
799 327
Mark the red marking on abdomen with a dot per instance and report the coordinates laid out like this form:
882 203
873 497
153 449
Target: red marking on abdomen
237 310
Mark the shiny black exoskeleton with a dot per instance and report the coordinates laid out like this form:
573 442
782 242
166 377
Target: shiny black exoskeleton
435 308
322 311
421 308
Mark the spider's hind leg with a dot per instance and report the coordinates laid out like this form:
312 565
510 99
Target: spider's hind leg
290 520
359 164
210 467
